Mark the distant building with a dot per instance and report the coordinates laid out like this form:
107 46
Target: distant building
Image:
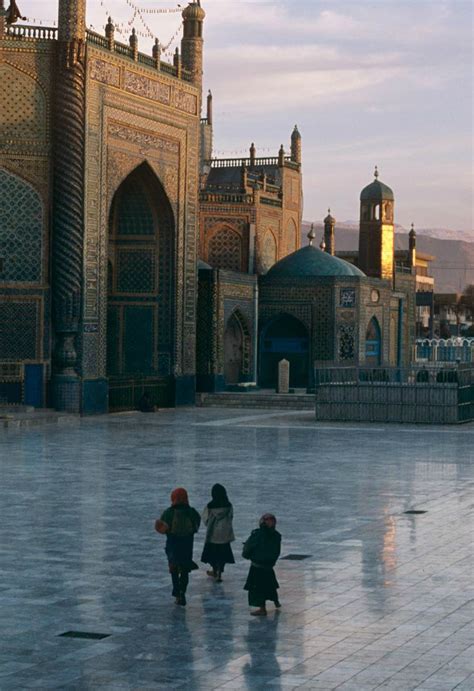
452 315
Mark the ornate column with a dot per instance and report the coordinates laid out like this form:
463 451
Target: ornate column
68 213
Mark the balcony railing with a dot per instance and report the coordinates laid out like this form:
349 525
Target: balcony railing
48 33
41 33
246 162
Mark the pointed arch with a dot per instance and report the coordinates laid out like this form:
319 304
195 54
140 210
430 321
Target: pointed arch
269 251
284 337
373 343
140 330
237 348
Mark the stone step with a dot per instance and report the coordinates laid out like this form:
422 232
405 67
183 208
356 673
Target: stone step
33 418
255 400
7 408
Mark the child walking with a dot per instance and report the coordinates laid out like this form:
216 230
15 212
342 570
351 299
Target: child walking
179 523
217 516
263 549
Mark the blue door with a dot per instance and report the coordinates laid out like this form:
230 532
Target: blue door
34 385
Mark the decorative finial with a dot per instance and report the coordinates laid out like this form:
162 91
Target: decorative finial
376 173
322 245
311 235
412 231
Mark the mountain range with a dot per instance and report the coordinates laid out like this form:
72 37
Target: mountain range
453 266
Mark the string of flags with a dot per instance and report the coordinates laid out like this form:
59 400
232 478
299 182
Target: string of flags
124 28
150 10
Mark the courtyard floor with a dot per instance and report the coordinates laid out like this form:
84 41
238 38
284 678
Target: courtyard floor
384 599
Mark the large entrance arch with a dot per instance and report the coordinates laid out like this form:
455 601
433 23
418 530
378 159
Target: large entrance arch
285 337
373 343
140 324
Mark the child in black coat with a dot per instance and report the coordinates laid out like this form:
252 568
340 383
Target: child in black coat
263 549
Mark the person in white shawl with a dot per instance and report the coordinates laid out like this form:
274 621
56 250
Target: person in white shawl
217 516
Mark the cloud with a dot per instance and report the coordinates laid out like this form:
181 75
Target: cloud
368 81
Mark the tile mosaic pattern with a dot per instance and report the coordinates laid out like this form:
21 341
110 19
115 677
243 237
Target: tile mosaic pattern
384 601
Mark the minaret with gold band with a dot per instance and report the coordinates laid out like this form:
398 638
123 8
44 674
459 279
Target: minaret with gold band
376 230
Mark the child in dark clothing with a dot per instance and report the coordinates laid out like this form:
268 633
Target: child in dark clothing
179 523
263 549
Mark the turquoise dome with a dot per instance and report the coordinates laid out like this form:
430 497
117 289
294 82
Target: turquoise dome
310 261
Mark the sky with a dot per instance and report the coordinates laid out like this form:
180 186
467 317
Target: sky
368 82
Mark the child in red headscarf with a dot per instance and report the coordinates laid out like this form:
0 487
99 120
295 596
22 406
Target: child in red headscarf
179 523
263 549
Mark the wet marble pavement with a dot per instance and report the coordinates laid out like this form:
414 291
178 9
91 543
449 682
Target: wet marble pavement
384 600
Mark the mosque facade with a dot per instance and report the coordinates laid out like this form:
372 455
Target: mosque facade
131 260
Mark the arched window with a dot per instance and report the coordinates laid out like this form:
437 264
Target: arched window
140 323
269 252
21 231
237 348
225 250
373 344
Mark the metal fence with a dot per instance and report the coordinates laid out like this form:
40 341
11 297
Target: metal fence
444 350
432 394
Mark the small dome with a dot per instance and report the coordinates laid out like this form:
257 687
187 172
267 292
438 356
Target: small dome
377 191
329 220
296 133
193 11
311 261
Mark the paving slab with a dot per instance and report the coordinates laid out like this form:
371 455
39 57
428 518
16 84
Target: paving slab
383 600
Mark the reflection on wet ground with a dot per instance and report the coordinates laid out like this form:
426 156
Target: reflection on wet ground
385 599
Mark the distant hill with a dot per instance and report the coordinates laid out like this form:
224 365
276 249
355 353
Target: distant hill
453 267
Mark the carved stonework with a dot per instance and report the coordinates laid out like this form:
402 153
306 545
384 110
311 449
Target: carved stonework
130 132
185 101
141 85
105 72
144 140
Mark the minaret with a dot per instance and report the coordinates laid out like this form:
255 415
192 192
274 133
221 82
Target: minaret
192 41
412 246
329 239
376 231
68 202
296 146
